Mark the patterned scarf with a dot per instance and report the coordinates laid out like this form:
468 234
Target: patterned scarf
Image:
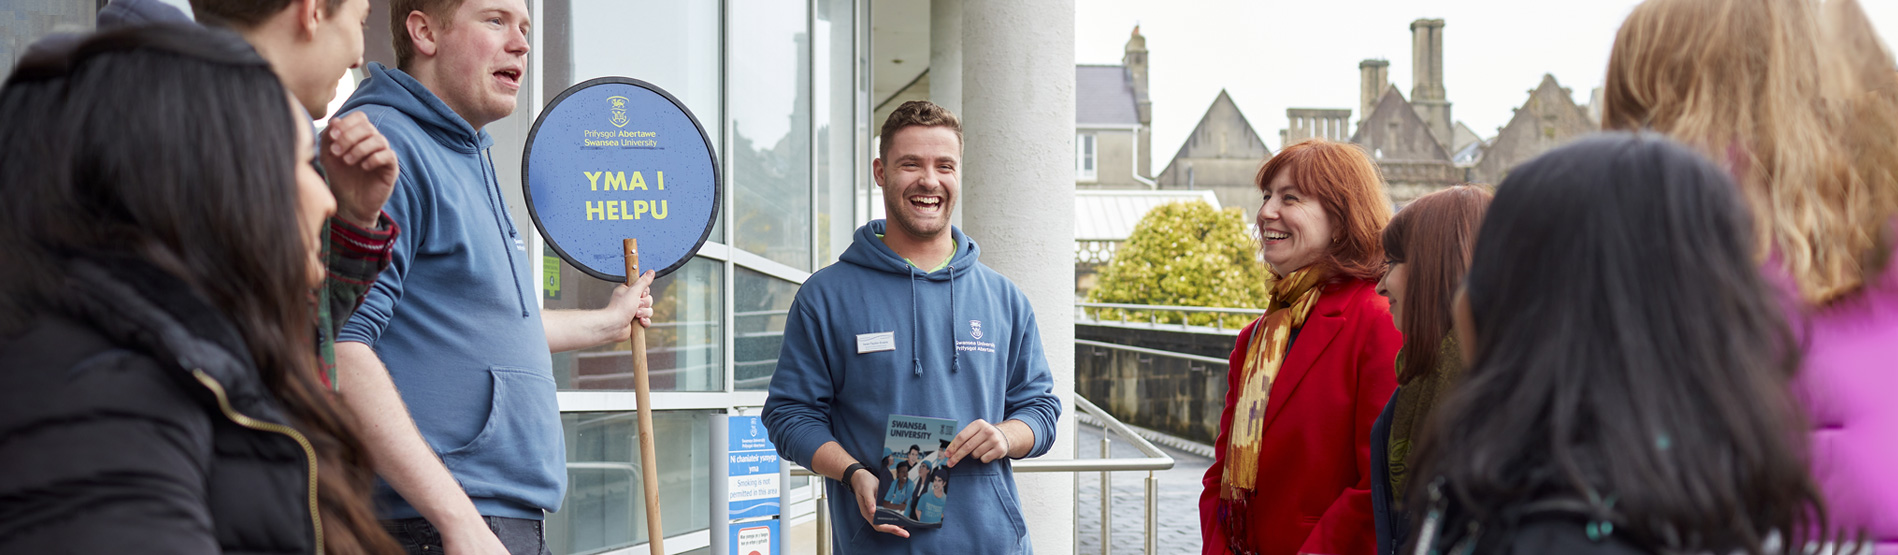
1291 301
1413 405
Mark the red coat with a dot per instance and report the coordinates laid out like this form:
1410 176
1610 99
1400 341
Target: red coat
1314 493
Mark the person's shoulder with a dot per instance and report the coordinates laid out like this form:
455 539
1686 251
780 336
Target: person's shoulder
83 373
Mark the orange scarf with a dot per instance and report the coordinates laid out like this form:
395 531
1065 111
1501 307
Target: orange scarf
1291 301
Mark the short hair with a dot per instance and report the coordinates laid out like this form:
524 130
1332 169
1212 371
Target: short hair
1345 182
442 11
245 14
1432 237
917 113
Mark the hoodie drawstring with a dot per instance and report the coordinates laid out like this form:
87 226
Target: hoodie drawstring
955 353
915 355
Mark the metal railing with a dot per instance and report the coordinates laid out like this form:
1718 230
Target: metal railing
1089 313
1152 460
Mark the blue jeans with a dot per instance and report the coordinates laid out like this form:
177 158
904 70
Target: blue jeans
418 537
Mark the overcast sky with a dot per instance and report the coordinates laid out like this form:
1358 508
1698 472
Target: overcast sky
1277 54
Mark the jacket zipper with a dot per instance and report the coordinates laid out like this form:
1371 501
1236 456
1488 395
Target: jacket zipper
309 452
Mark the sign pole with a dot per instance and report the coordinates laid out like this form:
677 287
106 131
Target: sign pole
648 464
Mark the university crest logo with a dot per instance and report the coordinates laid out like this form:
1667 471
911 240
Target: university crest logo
975 329
619 111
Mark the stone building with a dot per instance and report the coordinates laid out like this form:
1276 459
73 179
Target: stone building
1407 152
1548 119
1113 122
1222 154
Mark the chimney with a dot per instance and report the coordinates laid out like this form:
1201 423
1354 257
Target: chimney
1427 94
1375 75
1135 60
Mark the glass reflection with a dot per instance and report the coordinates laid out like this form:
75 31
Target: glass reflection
605 507
761 304
684 346
771 130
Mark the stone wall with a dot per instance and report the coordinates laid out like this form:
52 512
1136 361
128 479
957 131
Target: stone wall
1172 395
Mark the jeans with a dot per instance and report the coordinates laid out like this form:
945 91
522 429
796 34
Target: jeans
521 536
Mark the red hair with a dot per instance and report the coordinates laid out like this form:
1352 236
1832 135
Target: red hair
1345 182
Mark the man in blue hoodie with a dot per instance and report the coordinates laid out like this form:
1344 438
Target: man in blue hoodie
909 322
452 334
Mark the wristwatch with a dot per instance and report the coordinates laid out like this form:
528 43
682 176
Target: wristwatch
851 471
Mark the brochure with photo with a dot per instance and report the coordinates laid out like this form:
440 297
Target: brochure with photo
915 480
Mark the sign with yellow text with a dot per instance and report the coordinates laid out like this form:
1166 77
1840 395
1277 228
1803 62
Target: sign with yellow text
616 158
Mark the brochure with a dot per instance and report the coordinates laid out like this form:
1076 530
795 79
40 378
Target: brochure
915 487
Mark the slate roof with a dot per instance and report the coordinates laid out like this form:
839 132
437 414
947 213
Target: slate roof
1104 95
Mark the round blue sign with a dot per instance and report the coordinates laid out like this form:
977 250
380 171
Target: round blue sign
616 158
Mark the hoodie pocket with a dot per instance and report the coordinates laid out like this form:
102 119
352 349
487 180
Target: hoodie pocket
980 500
520 447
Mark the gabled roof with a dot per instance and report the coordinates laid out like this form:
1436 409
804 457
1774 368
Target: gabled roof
1462 136
1223 118
1104 95
1110 215
1393 131
1547 119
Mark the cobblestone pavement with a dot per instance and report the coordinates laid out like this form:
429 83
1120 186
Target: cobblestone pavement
1178 509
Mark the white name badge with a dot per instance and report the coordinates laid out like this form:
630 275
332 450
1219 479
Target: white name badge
876 342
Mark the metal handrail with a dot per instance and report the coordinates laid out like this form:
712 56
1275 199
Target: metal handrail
1172 308
1155 352
1154 460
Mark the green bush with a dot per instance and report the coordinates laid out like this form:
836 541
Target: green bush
1185 254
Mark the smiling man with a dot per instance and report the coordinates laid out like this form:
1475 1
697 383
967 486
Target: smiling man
452 334
910 323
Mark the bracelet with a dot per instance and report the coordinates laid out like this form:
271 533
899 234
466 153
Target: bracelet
850 471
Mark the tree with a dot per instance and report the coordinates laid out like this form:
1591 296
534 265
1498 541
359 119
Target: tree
1185 254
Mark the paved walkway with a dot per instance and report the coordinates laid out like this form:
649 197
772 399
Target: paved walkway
1180 487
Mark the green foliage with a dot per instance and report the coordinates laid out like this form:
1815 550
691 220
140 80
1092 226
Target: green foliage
1185 254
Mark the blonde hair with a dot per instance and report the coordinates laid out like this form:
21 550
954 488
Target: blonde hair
1758 86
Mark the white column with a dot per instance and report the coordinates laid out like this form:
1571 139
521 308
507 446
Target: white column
945 63
1018 199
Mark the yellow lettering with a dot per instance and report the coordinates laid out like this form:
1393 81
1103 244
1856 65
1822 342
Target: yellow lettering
641 207
596 209
639 182
624 215
659 210
616 181
612 210
593 178
662 183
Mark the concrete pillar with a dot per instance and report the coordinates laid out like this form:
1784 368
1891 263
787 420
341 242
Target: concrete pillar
945 63
1018 199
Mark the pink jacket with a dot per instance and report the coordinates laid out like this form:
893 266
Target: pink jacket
1848 384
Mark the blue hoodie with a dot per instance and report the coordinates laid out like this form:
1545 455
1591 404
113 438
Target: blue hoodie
967 347
454 317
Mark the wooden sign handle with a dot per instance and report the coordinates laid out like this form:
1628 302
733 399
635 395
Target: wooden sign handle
649 467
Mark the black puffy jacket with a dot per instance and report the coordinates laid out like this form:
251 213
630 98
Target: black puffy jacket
132 420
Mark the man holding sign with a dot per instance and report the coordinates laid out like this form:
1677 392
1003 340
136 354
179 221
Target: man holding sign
910 324
455 318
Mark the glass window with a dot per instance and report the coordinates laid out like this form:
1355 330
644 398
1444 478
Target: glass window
684 346
771 130
670 44
762 303
1084 156
605 508
834 61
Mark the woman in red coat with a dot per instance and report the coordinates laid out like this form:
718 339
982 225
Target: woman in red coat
1307 380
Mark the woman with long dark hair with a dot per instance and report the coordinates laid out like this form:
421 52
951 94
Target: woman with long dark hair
1426 251
162 244
1291 472
1627 372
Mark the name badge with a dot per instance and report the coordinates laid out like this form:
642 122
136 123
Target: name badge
876 342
